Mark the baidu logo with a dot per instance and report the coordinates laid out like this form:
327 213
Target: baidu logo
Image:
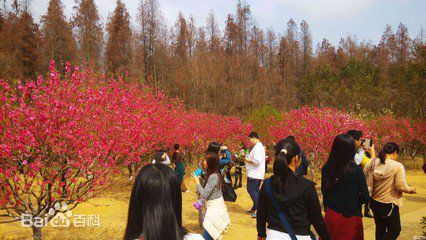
61 218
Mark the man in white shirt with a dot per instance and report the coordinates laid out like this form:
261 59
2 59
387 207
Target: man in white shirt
255 166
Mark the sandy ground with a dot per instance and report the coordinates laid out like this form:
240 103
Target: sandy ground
112 205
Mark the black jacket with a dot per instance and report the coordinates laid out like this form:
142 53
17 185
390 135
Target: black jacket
347 195
299 202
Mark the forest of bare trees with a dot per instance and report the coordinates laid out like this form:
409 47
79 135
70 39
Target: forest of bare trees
230 71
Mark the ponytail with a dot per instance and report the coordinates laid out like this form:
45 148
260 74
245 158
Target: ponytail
382 156
388 148
285 151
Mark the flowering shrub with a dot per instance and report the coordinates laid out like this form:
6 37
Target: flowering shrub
315 129
61 138
408 133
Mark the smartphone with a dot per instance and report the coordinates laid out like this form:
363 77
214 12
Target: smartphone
198 172
368 142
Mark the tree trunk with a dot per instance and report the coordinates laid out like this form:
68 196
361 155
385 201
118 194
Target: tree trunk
36 233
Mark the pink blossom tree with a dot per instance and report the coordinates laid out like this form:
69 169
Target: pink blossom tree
62 138
52 146
315 129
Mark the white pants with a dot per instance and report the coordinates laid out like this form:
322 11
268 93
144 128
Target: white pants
277 235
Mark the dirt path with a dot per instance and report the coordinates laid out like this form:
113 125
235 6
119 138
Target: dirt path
112 210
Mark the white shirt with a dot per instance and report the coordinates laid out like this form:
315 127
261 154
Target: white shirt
256 170
277 235
358 156
192 236
166 161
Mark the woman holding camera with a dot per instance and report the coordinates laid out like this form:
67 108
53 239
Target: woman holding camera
386 182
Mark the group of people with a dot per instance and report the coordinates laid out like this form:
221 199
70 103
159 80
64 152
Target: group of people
286 204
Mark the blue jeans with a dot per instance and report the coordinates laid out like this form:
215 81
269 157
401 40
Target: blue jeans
206 235
253 188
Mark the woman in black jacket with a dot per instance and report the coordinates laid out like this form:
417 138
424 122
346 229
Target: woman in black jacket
344 190
295 195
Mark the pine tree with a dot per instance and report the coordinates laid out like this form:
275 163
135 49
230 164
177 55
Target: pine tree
118 53
57 38
28 45
19 43
181 38
213 32
88 31
243 22
152 39
402 43
306 48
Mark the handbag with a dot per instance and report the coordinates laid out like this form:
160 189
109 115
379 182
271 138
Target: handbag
281 214
229 193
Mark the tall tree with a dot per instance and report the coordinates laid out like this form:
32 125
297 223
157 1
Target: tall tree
213 32
289 55
58 41
402 43
231 35
192 35
243 22
293 50
181 38
19 45
8 47
306 48
118 52
257 46
152 39
28 44
271 49
88 30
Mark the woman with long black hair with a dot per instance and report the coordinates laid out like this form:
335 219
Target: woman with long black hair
288 202
216 219
344 190
386 181
155 208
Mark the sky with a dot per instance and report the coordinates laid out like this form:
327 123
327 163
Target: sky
329 19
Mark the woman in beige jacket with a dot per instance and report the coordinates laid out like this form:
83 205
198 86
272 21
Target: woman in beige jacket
386 183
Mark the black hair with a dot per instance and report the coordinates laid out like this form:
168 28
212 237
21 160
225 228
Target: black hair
176 146
213 147
282 160
291 138
253 135
212 160
159 156
340 159
356 134
155 207
388 148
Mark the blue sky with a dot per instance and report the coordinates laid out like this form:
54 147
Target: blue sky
330 19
